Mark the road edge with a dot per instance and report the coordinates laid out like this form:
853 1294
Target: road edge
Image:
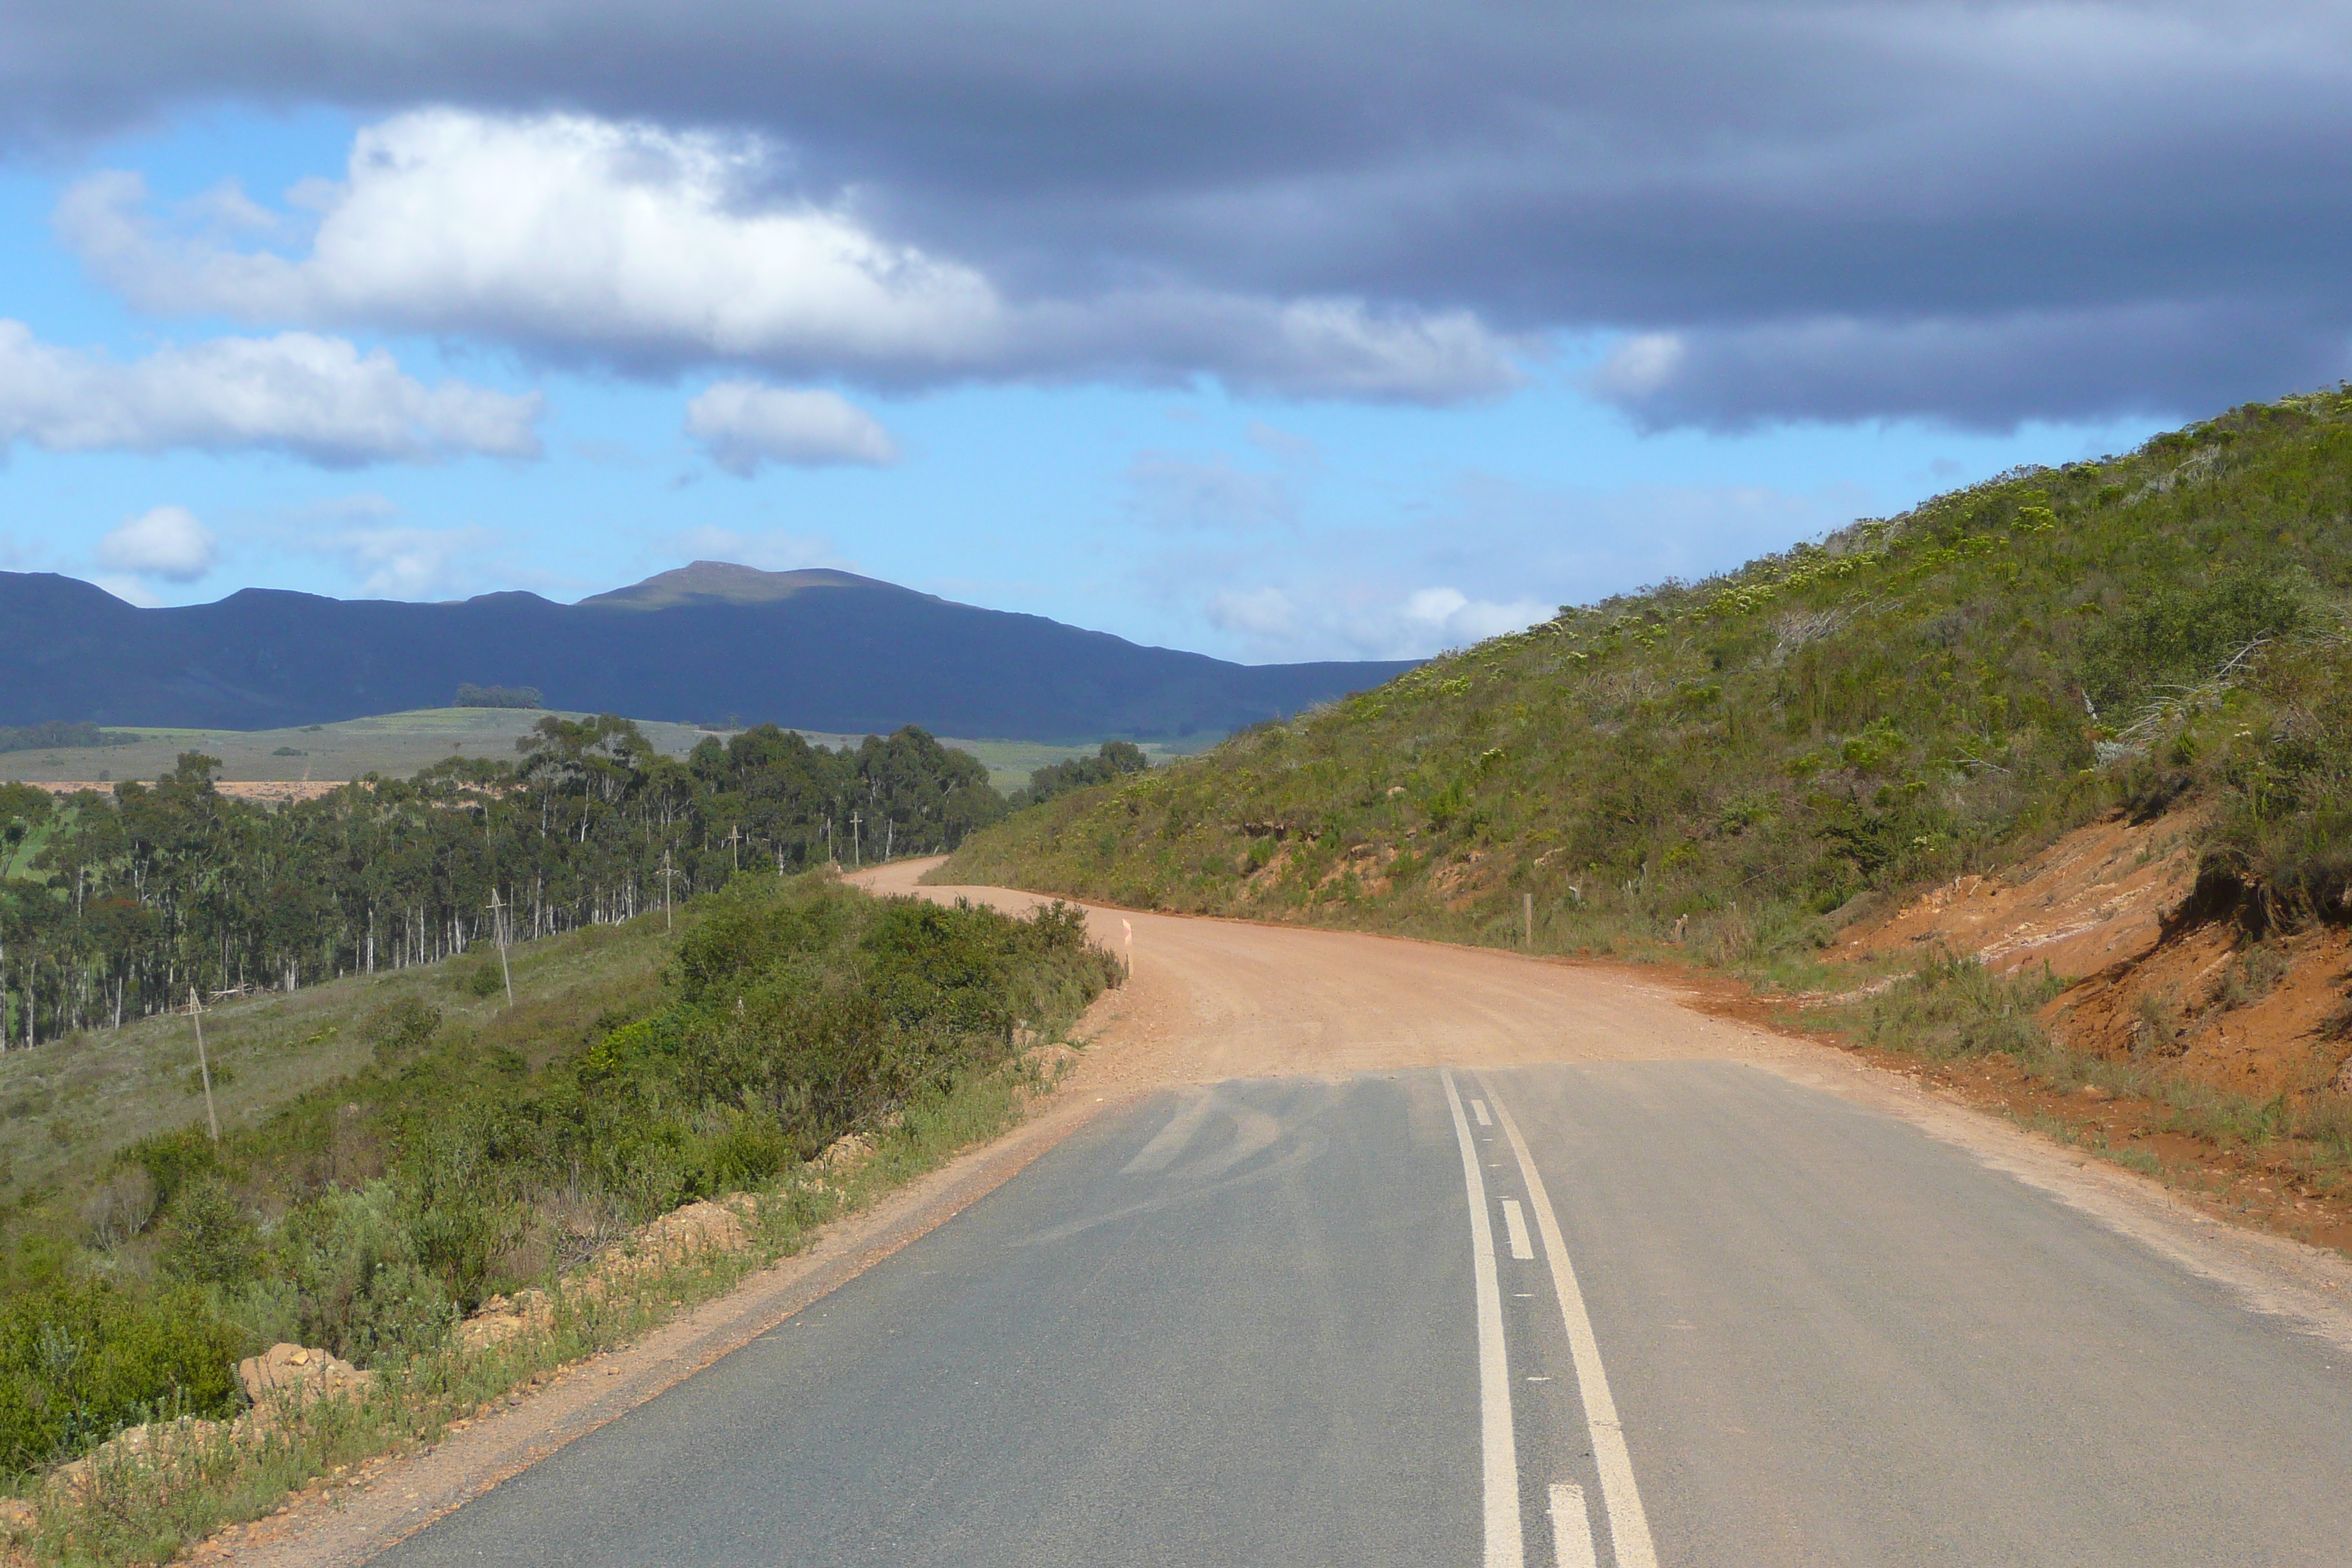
401 1495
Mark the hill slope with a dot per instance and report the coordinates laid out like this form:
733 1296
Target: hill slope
1737 762
818 651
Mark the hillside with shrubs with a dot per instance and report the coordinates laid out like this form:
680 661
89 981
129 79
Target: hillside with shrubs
1753 771
473 1147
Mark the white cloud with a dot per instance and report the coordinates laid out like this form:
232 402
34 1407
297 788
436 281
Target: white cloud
743 425
1638 368
1457 617
1189 494
317 398
1339 619
391 560
1263 615
166 543
1287 445
130 590
654 250
410 562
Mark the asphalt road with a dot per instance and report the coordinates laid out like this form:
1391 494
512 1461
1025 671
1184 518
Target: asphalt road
1689 1313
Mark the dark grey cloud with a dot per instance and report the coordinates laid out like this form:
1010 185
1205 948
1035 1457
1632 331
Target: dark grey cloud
1834 210
1987 371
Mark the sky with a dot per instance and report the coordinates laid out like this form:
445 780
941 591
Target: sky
1274 332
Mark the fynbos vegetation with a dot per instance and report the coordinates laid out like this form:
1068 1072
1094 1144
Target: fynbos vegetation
1737 760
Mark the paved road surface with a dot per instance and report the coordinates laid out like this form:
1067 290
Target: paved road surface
1349 1320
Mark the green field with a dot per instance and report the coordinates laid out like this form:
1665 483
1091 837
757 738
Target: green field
398 744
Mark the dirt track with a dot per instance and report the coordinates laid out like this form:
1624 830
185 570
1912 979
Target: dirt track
1212 999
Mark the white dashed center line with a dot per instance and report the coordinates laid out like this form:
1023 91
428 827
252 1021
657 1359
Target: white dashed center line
1516 1224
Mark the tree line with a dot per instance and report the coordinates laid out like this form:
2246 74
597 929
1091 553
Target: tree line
117 905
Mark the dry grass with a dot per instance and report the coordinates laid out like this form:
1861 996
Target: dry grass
69 1106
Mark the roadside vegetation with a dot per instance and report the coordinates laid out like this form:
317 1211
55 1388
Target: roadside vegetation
469 1150
1733 771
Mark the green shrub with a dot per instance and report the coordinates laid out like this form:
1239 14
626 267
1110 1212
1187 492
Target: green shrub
2176 633
173 1159
208 1237
798 1011
352 1258
81 1359
399 1028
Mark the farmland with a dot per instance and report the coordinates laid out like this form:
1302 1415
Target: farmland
398 744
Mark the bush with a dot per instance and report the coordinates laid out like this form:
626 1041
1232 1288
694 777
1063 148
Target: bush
171 1160
798 1011
398 1029
80 1359
209 1237
351 1257
2177 634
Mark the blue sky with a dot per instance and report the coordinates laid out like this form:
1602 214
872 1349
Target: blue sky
1226 402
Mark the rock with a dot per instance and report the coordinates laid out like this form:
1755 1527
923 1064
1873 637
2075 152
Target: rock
286 1373
679 1236
147 1446
701 1226
2093 1091
500 1319
847 1152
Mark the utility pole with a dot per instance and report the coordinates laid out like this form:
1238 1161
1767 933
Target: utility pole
669 920
498 926
204 1067
856 851
735 838
1527 911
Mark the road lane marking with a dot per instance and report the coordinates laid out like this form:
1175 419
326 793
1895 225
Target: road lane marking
1571 1528
1171 1140
1516 1224
1620 1499
1498 1442
1478 1109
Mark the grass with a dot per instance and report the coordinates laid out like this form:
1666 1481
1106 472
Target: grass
398 744
68 1109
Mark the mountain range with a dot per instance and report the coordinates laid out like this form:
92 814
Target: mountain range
816 649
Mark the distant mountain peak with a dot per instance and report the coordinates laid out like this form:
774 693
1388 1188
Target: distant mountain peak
725 583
